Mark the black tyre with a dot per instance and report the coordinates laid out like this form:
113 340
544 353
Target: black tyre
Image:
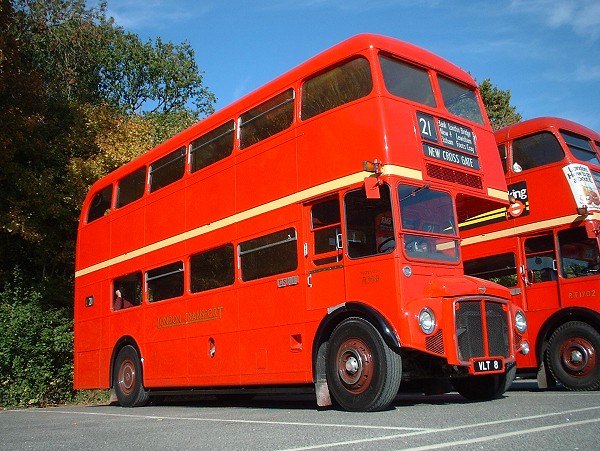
127 378
485 388
572 356
363 373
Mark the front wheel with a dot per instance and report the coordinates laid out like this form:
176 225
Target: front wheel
573 356
363 373
127 378
485 388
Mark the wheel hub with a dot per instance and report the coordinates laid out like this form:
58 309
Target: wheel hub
127 377
578 356
354 365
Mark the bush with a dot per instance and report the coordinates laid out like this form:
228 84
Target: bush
36 348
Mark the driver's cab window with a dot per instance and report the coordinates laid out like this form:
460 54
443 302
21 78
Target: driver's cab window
578 253
539 254
369 223
429 224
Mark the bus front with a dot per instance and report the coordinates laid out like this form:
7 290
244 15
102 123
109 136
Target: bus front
442 166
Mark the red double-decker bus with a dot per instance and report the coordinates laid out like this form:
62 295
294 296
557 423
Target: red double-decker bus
544 247
305 237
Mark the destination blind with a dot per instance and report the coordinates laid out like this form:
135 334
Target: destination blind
454 137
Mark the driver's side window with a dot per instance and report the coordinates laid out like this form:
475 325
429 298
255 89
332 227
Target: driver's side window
369 223
578 253
539 252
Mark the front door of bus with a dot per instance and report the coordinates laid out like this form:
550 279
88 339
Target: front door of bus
540 273
324 254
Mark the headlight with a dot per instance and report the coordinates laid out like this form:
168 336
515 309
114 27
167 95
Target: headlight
520 321
427 321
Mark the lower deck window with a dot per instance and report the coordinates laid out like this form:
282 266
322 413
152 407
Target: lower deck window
268 255
127 291
212 269
579 256
165 282
501 269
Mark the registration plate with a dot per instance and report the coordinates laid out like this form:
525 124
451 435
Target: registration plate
487 365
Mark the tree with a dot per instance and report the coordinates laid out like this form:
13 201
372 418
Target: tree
157 77
72 98
497 105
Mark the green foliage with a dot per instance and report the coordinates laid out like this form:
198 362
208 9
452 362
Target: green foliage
64 39
497 104
36 348
156 77
79 97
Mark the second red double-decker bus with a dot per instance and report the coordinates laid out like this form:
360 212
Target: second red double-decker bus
544 247
303 237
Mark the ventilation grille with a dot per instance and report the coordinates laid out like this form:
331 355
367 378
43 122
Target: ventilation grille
452 175
435 342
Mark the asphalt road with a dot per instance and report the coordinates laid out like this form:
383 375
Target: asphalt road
525 418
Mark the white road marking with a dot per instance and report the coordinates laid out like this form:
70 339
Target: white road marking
487 438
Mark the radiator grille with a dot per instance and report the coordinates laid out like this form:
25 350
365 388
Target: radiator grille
475 317
452 175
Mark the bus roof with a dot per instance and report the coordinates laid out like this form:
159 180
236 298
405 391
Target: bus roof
543 123
337 53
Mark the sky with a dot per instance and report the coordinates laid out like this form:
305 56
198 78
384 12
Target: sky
545 52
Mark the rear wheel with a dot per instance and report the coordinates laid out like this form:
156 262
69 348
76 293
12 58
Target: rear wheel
127 378
485 388
363 373
572 356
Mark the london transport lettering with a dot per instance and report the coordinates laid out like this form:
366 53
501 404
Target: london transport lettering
209 314
452 135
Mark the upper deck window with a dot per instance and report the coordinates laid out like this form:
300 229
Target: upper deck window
536 150
460 100
100 204
212 146
267 119
407 81
167 170
580 147
503 157
131 187
342 84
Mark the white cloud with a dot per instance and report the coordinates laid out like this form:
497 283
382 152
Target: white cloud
582 16
587 72
136 14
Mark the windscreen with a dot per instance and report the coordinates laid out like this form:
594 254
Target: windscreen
428 223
